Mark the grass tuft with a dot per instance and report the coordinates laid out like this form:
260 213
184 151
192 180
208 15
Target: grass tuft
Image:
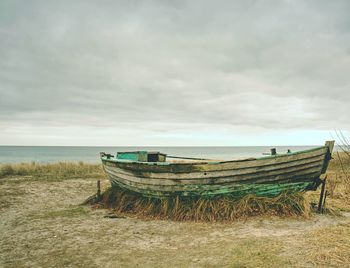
338 182
70 212
123 201
6 170
52 171
257 253
328 247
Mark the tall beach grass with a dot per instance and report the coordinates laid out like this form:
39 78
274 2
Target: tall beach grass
52 171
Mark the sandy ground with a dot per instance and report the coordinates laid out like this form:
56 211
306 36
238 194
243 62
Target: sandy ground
43 225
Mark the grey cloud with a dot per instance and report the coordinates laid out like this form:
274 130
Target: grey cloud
280 64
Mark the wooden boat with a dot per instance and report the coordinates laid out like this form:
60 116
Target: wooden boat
151 174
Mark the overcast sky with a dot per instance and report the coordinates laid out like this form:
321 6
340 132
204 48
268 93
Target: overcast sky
173 72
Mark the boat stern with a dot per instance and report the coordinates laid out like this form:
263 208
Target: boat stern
330 146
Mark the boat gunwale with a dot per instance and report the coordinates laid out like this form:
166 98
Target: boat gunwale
115 160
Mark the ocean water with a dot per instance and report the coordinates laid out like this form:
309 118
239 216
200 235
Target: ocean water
44 154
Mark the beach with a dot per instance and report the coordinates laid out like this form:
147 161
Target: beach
174 134
43 225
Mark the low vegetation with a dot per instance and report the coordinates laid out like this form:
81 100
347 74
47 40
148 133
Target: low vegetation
328 247
42 225
122 201
69 212
52 171
338 182
263 252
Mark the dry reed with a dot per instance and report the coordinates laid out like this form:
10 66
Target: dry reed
124 202
52 171
342 162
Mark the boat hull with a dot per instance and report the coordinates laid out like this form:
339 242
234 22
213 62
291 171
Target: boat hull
266 176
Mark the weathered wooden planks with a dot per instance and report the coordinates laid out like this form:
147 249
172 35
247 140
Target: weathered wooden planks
237 189
272 174
213 166
217 173
138 183
258 176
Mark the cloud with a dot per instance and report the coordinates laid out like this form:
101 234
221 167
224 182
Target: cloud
125 66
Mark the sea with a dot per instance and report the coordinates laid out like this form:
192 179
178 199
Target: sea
49 154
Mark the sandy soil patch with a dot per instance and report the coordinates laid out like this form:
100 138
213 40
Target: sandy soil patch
43 225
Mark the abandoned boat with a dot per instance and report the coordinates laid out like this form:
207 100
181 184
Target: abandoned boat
152 174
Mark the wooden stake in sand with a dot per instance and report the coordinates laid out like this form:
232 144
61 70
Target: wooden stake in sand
273 151
98 194
322 195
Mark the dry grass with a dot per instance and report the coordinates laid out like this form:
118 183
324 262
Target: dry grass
42 226
213 209
338 182
327 247
69 212
263 252
52 171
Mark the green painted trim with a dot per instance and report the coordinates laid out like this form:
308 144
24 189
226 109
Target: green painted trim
266 190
